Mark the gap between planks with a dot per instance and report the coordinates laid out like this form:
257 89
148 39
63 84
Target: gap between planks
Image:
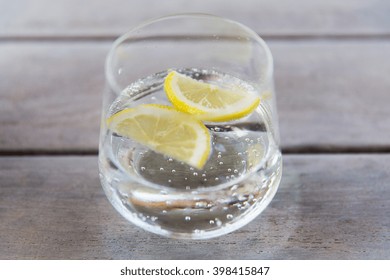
299 150
267 37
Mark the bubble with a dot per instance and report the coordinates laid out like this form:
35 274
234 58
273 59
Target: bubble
243 161
211 222
187 218
188 187
143 168
235 171
218 222
211 168
217 129
173 171
234 187
163 192
161 169
197 231
203 175
225 208
154 218
170 159
221 162
195 173
251 141
168 202
232 176
240 154
191 168
153 98
205 180
226 138
169 181
164 211
216 179
229 216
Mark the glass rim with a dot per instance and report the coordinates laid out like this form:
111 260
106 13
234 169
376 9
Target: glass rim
109 58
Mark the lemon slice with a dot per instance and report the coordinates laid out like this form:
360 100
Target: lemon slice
164 130
208 102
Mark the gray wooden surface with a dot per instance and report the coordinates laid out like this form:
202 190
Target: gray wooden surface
331 75
54 207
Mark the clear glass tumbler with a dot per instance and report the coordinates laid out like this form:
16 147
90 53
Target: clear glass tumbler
167 196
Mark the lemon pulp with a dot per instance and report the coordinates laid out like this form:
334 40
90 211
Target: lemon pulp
164 130
206 101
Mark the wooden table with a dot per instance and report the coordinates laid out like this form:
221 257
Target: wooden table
332 72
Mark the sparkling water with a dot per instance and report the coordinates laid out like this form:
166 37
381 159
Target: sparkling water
171 198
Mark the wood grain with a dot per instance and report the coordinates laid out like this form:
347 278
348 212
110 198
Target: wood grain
327 207
24 18
331 95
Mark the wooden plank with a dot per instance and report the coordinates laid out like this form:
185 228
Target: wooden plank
327 207
331 95
102 18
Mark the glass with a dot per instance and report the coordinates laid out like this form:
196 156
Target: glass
163 195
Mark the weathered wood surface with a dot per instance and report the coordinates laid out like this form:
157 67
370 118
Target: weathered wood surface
107 18
50 94
327 207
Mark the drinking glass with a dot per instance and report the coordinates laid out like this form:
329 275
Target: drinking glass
161 194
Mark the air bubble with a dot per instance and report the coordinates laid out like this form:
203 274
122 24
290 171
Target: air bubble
217 129
226 138
169 181
218 222
173 170
205 180
219 156
188 187
161 169
247 139
195 173
185 178
221 162
164 211
191 168
243 161
203 175
229 216
229 170
235 171
187 218
216 179
234 187
143 168
170 159
211 222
